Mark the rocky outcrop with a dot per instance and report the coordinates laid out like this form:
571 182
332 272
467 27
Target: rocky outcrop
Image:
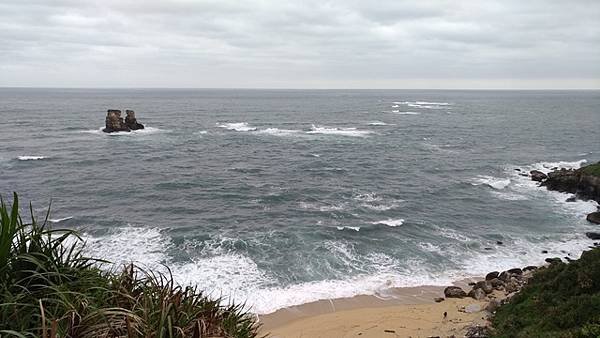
131 121
594 217
115 123
537 175
583 182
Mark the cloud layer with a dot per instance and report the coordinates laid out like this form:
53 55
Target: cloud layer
300 44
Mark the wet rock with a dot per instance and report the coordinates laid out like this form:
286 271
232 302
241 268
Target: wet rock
594 217
114 122
477 294
496 283
515 271
530 268
492 275
593 235
131 121
499 242
571 199
438 299
544 251
553 260
454 292
537 175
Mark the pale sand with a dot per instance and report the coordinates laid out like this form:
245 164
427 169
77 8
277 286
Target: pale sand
407 312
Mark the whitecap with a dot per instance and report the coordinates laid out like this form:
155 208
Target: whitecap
367 197
493 182
30 158
380 207
279 132
237 126
338 131
390 222
349 228
145 131
379 123
407 113
58 220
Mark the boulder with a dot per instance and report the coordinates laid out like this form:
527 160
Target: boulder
511 286
477 294
486 286
496 283
530 268
492 275
438 299
594 217
593 235
454 292
131 121
537 175
583 182
515 271
114 122
492 306
477 332
553 260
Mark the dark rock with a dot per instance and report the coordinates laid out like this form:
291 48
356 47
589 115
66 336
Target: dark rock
537 175
530 268
553 260
594 217
517 169
504 276
499 242
454 292
496 283
544 251
571 199
486 286
488 249
477 294
515 271
131 121
593 235
511 286
492 275
439 299
581 182
114 122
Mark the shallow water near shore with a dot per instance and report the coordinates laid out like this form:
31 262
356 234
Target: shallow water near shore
282 197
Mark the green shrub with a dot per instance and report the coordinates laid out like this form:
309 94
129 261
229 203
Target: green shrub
562 300
48 288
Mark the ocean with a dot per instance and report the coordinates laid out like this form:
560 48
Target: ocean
281 197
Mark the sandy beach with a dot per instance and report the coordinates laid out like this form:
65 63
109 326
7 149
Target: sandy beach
403 312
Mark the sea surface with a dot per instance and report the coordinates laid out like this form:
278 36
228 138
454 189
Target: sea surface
282 197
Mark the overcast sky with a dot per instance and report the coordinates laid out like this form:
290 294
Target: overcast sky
300 44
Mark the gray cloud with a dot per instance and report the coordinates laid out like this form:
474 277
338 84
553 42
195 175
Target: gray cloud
299 44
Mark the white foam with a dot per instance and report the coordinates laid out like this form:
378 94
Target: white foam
426 104
30 158
407 112
494 182
379 123
237 126
320 207
58 220
390 222
349 228
145 131
353 132
202 132
380 207
368 197
279 132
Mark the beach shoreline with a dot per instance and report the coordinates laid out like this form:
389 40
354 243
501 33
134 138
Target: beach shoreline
404 310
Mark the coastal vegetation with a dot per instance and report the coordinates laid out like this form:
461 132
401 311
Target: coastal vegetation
49 288
561 300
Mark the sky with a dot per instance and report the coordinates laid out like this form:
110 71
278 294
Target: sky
453 44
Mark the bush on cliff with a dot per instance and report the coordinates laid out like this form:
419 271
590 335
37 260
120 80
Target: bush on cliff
48 288
562 300
592 169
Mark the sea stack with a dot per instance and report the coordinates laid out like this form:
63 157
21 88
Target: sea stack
115 123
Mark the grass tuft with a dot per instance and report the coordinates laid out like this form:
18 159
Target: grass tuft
49 289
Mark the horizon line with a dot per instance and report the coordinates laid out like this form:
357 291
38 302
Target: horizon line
300 88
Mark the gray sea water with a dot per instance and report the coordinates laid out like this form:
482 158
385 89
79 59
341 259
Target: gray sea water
281 197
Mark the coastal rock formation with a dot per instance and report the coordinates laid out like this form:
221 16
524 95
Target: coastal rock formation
583 182
537 175
131 121
454 292
594 217
115 123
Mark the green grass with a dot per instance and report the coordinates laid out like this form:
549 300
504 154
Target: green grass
562 300
592 169
49 288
